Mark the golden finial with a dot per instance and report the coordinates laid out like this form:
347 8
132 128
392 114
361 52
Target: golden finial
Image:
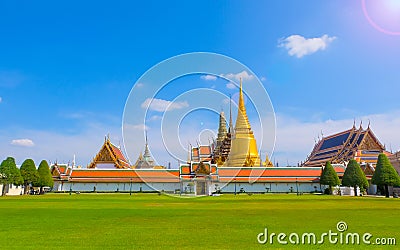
241 100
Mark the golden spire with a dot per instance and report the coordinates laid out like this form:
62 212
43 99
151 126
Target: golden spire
242 121
230 130
244 147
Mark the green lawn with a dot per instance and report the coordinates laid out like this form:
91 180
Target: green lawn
148 221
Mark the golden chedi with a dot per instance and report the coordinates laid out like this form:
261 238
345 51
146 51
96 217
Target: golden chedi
243 151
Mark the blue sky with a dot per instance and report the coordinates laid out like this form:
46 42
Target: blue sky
67 67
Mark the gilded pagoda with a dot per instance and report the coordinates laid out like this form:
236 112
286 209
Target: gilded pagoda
243 152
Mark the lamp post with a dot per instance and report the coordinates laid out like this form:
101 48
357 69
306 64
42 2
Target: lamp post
130 188
297 188
235 184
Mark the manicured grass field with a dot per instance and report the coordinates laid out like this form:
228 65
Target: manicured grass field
148 221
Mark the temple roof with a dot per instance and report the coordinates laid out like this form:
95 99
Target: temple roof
60 171
201 153
110 154
343 146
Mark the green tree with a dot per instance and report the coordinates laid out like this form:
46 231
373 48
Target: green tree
29 173
354 176
45 179
10 174
385 175
329 176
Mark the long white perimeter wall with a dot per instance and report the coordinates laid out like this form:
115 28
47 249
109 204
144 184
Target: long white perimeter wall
258 187
269 187
172 187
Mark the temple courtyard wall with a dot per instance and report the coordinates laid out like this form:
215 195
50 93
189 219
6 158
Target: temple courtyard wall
185 187
12 190
263 187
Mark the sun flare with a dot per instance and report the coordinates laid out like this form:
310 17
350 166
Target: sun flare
383 15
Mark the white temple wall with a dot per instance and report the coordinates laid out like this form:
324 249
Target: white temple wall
258 187
118 187
12 190
277 187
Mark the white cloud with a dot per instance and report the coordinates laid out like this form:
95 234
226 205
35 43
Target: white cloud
154 118
23 142
263 78
139 84
230 85
242 75
161 105
140 127
1 99
57 146
300 46
208 77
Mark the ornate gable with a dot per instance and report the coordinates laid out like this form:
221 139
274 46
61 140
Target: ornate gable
370 142
105 155
109 154
55 172
202 169
367 169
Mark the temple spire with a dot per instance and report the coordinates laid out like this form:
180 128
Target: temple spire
244 147
242 121
145 160
146 149
230 130
222 129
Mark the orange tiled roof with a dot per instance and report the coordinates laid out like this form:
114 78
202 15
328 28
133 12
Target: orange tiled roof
118 153
205 150
62 169
272 174
117 175
60 172
185 169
